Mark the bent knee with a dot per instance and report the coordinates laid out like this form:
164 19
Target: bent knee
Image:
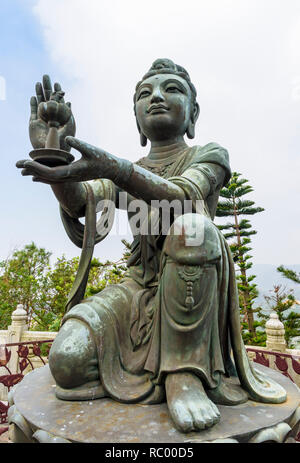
73 355
193 240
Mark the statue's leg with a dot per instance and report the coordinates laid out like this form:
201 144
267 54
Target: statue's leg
189 323
73 358
73 362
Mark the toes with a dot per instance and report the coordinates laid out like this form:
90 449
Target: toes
199 419
186 426
215 418
214 413
215 410
189 406
204 416
182 417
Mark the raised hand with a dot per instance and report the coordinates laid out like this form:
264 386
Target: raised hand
94 163
38 128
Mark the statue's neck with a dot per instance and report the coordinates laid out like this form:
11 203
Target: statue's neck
163 150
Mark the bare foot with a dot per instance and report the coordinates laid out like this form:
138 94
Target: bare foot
188 403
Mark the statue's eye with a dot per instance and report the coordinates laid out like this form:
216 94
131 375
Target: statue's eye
143 94
173 89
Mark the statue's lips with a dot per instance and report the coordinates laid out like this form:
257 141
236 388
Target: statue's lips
158 109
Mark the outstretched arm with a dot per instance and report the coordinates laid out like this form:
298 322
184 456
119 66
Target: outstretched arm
96 163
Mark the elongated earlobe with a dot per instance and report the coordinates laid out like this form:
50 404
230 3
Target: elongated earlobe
190 131
143 139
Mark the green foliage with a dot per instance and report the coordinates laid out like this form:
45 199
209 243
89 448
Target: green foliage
23 280
27 278
260 337
238 233
289 274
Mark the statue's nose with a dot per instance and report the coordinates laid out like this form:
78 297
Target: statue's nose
157 96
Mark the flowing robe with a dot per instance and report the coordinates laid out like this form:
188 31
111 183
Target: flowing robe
138 338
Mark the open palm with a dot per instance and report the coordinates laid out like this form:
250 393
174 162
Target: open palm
38 129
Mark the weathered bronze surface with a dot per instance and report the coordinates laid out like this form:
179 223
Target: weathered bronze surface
50 121
108 421
168 330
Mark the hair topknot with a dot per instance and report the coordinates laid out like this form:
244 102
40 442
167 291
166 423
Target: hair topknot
167 66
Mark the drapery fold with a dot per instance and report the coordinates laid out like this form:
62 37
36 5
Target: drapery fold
133 325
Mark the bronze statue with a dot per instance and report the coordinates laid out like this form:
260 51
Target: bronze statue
171 329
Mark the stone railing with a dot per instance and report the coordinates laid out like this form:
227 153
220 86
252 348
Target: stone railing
276 355
16 335
31 355
21 351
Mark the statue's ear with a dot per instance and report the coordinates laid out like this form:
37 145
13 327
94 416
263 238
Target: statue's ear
190 131
143 138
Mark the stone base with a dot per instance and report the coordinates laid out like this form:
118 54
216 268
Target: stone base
36 415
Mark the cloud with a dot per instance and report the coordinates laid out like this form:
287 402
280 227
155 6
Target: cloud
243 57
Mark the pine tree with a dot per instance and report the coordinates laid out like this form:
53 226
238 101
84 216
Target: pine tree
289 274
238 233
292 320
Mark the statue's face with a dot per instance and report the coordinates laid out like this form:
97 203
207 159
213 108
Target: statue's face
163 106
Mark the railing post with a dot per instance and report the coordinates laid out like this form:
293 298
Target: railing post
275 334
14 334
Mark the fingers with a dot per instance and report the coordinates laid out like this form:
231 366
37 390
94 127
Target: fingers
43 92
87 151
34 168
57 88
39 93
42 173
47 87
34 108
20 164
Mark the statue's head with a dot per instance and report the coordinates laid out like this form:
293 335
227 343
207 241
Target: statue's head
165 103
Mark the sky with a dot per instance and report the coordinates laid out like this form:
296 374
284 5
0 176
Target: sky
243 57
